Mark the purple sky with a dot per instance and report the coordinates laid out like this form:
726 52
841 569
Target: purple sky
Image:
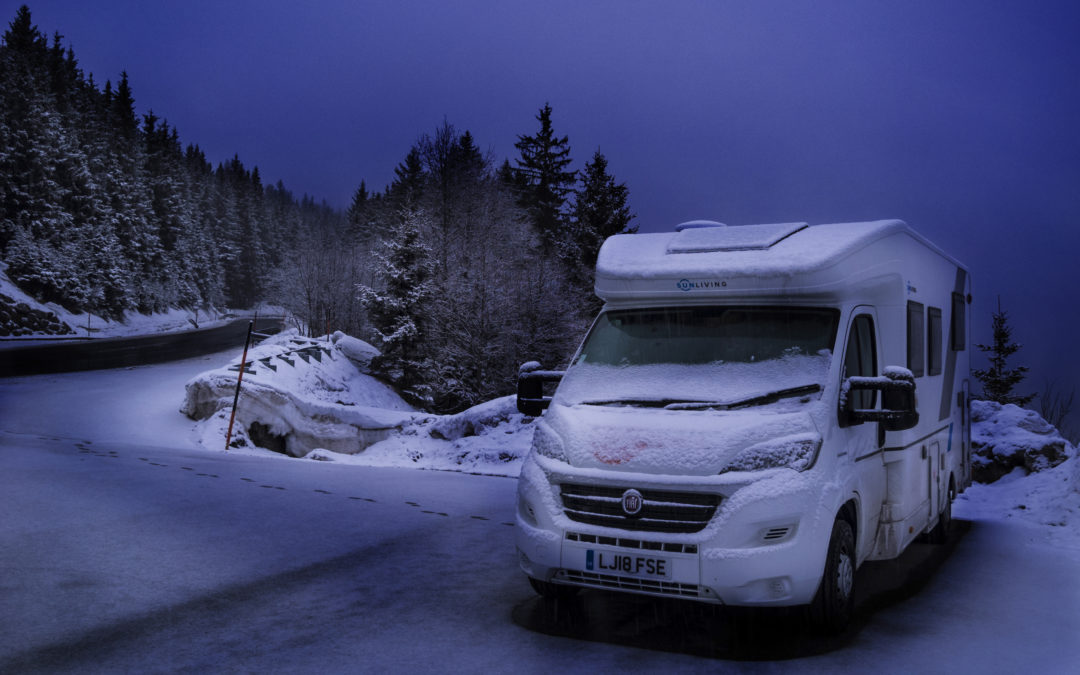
962 118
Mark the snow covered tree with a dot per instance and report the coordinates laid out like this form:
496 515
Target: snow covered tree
999 380
399 308
542 170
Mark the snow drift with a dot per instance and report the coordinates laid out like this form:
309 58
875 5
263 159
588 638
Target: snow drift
300 394
317 399
1007 437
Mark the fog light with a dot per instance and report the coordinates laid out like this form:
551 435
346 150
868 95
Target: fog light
779 587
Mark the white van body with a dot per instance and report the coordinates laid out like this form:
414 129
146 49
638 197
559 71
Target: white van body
682 479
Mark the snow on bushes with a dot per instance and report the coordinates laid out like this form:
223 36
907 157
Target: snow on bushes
1007 437
491 438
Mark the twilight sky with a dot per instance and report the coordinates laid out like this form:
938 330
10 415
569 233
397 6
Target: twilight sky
960 117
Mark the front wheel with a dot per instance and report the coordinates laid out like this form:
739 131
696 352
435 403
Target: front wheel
832 606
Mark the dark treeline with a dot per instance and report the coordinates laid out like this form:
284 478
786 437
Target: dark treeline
459 270
104 211
467 268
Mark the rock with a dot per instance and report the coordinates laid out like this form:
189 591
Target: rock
18 318
1005 437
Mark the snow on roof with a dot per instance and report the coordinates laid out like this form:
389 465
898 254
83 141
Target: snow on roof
745 238
782 249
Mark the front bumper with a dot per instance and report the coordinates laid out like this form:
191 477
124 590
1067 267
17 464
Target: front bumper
764 546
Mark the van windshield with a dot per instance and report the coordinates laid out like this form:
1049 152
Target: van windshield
700 354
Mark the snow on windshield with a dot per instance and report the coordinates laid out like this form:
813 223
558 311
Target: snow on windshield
700 354
723 382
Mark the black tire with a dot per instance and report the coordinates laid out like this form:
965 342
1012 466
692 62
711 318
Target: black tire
940 533
546 589
831 609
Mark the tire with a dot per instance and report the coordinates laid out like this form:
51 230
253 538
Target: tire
546 589
831 609
940 533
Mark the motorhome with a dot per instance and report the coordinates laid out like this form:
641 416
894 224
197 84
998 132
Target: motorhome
756 412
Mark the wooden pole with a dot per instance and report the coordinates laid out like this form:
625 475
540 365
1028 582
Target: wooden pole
239 379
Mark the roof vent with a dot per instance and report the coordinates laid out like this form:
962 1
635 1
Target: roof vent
740 238
697 225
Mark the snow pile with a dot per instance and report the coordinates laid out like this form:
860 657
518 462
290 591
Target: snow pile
1035 474
316 399
491 438
1007 437
299 394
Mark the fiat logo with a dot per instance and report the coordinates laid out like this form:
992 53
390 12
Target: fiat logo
632 502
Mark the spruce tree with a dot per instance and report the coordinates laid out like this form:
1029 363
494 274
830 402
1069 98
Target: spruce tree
600 211
542 170
998 380
399 308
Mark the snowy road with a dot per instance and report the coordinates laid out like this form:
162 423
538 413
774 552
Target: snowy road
124 548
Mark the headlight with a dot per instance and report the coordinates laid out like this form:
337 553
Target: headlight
792 452
545 442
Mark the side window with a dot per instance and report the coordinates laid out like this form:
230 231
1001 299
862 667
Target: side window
916 338
933 363
860 358
959 321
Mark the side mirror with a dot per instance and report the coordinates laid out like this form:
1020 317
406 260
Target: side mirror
898 407
531 399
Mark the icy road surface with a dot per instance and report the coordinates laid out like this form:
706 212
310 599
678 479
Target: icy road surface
125 548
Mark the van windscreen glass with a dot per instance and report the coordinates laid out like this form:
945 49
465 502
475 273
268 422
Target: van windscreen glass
701 353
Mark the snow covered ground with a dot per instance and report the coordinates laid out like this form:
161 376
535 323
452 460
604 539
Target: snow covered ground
127 545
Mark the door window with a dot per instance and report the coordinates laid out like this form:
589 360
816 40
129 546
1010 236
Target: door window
860 358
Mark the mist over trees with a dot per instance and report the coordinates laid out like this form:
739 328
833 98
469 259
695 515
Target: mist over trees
459 270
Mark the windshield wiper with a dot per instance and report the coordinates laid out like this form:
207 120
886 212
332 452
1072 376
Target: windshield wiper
642 402
760 399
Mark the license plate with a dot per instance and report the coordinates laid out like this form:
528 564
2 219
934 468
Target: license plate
627 564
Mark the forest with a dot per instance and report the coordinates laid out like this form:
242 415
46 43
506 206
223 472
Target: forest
459 270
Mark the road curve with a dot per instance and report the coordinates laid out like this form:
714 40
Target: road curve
61 357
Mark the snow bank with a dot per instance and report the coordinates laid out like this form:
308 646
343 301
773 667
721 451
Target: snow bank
1007 437
1026 473
491 438
316 399
299 394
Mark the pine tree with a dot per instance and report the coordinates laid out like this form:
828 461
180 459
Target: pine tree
542 169
399 311
998 380
600 211
358 214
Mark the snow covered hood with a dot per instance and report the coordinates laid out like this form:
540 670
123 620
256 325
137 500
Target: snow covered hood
674 442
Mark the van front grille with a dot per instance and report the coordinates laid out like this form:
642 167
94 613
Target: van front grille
661 510
670 588
623 542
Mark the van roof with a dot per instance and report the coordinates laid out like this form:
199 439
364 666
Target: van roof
750 252
745 250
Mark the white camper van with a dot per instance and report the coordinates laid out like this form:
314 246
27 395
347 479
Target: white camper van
756 411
